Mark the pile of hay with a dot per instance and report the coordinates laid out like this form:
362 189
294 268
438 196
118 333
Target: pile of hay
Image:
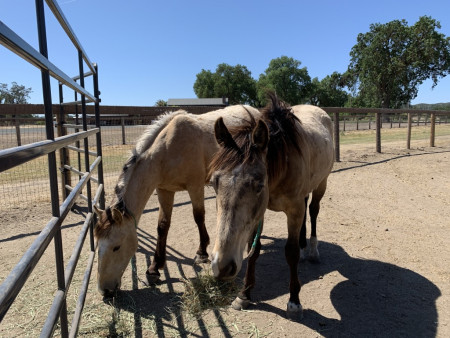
205 292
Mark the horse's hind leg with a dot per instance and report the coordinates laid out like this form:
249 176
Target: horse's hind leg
197 195
165 199
314 208
303 243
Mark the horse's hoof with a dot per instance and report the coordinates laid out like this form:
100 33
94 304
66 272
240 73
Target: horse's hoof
152 278
302 255
240 304
294 311
314 258
201 259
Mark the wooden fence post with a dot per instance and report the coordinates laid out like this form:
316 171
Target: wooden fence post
408 138
378 132
336 137
17 124
433 129
122 122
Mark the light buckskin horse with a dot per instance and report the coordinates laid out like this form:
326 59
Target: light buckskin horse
274 163
172 155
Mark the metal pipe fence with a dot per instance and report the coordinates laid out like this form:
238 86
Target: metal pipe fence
45 144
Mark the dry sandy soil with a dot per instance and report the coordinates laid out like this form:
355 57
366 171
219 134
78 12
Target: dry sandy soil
385 262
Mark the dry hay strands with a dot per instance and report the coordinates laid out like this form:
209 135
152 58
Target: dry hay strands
205 292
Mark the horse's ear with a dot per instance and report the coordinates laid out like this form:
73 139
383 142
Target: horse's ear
260 135
116 215
223 136
98 211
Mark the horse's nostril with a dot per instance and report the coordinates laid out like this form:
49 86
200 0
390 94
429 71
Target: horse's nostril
228 271
109 293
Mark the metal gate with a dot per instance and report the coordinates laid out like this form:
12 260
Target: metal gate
12 157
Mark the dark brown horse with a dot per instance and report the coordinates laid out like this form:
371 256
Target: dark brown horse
273 162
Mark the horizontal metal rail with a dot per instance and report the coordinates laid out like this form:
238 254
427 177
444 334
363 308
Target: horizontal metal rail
81 151
19 46
9 158
12 285
75 78
74 103
57 12
80 173
77 126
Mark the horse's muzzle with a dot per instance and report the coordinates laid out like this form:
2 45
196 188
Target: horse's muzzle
228 272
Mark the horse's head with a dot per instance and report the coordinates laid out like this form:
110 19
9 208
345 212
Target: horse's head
238 174
116 234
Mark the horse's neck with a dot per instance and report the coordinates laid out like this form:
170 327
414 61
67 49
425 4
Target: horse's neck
141 184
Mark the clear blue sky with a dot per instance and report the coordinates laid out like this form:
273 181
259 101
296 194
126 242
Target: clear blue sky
151 50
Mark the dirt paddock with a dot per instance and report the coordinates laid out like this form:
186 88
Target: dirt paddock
385 262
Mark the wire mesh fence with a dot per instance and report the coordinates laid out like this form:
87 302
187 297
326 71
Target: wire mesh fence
27 185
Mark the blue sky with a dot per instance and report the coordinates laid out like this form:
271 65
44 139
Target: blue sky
151 50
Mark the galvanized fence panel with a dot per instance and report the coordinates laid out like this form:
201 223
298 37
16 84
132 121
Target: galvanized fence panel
13 157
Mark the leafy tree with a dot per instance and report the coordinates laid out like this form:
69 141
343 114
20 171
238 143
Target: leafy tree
15 94
328 92
161 103
204 85
389 62
284 76
234 82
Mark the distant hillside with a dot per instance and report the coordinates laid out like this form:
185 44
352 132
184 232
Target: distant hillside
433 106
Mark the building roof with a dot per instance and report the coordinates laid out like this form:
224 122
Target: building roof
198 102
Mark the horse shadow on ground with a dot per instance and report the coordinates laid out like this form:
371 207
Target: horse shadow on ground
375 299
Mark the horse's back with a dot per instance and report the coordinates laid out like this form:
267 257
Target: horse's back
184 148
317 131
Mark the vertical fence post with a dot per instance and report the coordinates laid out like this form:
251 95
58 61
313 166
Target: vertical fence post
98 141
408 137
122 123
48 328
63 153
378 132
17 124
433 129
336 137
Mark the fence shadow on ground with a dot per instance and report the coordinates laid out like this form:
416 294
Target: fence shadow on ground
360 164
376 298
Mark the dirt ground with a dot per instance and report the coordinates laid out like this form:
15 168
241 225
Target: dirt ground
384 243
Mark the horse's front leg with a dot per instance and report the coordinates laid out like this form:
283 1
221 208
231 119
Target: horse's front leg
197 195
292 253
242 301
165 199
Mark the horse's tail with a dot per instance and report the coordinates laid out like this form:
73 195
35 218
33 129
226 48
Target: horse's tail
152 131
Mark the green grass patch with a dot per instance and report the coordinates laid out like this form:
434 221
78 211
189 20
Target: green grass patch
391 135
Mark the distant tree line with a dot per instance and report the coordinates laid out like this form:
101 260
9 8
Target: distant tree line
387 65
14 94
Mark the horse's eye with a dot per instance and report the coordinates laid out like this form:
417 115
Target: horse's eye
116 248
259 188
215 182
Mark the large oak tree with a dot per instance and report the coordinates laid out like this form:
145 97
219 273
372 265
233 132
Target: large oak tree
389 62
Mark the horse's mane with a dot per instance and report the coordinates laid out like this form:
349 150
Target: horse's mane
283 136
144 142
